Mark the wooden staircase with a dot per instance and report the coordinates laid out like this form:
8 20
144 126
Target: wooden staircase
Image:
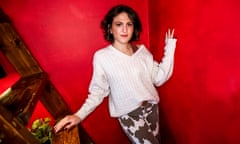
19 103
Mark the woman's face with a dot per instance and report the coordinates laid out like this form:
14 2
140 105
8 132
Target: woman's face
122 28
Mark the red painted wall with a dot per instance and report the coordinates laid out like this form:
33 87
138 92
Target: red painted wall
201 102
63 35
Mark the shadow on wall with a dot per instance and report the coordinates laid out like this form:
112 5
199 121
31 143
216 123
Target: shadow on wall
167 136
2 72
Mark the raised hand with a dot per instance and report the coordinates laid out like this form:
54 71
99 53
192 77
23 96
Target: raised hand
169 35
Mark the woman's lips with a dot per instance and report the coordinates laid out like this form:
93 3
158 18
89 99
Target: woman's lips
124 35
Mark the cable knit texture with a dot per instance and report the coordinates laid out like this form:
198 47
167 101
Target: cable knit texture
127 80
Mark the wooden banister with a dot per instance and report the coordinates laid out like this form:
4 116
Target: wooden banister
67 137
24 95
12 131
17 107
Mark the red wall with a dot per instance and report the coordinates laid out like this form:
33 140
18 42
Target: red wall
63 35
201 102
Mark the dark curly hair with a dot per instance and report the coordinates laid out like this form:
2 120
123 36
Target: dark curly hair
106 23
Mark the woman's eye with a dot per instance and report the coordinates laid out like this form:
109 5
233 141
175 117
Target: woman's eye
130 24
118 24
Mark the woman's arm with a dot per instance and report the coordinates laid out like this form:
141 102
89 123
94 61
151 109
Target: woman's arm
98 89
163 71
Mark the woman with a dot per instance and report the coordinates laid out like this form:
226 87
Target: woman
127 74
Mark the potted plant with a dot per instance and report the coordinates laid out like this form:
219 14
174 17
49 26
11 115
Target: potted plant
42 130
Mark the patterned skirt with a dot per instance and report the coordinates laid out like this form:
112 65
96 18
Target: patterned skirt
142 124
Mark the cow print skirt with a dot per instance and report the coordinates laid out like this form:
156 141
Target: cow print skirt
142 124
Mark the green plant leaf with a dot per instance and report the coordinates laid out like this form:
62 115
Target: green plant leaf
44 139
42 130
47 120
36 124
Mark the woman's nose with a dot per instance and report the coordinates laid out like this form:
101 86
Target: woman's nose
124 28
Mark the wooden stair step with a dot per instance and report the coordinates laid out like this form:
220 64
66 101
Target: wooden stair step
28 89
12 131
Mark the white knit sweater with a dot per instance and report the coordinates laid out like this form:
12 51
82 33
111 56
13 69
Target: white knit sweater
127 80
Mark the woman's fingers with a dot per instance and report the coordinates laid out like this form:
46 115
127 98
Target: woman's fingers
61 124
67 123
170 33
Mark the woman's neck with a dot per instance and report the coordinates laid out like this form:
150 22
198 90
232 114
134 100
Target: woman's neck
124 48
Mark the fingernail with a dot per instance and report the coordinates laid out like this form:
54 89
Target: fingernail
55 130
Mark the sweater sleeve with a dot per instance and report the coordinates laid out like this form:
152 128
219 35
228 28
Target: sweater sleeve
163 71
98 89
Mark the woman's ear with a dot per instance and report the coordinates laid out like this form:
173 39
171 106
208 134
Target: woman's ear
109 28
109 32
